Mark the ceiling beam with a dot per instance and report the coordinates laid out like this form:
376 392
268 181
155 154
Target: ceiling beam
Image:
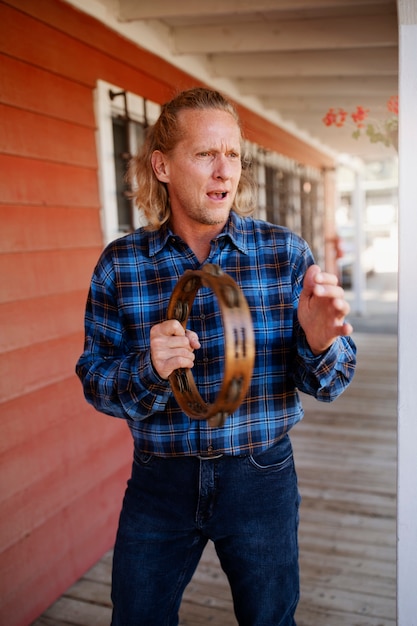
358 62
385 86
161 9
318 105
312 34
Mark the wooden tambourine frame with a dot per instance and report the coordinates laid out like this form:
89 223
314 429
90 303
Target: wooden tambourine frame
239 344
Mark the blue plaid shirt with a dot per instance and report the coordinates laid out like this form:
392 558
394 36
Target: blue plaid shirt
130 290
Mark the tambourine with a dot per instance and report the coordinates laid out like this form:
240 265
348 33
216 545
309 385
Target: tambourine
239 344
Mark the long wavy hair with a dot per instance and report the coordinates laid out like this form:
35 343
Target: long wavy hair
150 194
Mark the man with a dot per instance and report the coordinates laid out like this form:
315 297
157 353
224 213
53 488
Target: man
236 484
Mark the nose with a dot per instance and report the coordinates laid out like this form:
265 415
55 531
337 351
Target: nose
222 167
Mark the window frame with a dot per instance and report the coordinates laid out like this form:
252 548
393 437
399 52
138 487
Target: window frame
105 110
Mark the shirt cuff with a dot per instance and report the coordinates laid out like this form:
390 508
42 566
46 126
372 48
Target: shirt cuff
316 361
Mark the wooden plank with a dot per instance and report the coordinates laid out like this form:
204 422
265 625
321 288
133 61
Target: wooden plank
15 428
86 29
30 414
41 474
317 564
358 603
62 228
71 543
60 53
35 182
33 135
78 613
91 591
40 365
100 572
34 89
39 470
364 540
334 576
45 273
34 469
41 319
312 616
196 615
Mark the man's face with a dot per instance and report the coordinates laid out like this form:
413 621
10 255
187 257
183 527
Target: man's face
203 171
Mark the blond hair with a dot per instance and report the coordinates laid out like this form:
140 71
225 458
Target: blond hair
150 194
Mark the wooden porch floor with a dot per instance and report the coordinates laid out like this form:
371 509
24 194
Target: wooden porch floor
346 459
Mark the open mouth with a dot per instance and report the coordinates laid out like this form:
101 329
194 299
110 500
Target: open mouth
218 195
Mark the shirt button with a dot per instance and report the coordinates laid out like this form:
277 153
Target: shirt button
202 316
210 449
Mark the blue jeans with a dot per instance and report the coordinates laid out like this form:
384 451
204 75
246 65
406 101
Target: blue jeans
248 506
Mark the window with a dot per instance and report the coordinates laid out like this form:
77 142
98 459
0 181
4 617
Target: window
122 119
277 178
291 195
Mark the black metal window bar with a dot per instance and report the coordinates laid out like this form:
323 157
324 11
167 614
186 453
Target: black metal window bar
126 131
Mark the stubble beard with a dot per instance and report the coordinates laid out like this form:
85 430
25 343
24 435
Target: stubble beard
209 217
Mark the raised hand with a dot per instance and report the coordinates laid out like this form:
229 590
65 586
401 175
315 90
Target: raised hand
322 309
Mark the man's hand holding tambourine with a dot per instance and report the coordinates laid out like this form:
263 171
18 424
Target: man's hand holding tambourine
172 347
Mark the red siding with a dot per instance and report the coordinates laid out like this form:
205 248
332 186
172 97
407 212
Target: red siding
34 89
63 465
67 227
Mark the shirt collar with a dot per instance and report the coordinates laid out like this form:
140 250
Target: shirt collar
234 230
158 239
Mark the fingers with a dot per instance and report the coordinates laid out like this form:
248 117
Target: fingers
193 339
347 329
168 328
310 279
322 309
172 347
336 308
321 283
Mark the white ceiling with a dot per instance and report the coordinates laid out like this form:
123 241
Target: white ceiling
290 59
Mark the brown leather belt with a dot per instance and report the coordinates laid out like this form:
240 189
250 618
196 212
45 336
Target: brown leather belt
239 344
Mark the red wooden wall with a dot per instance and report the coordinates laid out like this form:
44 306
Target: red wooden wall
63 466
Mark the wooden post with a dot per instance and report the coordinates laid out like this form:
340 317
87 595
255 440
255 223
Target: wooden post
407 412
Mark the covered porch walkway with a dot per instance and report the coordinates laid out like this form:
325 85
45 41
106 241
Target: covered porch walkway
346 459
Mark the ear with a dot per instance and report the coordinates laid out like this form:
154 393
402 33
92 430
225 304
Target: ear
160 166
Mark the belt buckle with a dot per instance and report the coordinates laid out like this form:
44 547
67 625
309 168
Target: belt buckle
209 457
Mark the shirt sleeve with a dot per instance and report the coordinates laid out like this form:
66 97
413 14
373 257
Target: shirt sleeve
115 380
327 375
